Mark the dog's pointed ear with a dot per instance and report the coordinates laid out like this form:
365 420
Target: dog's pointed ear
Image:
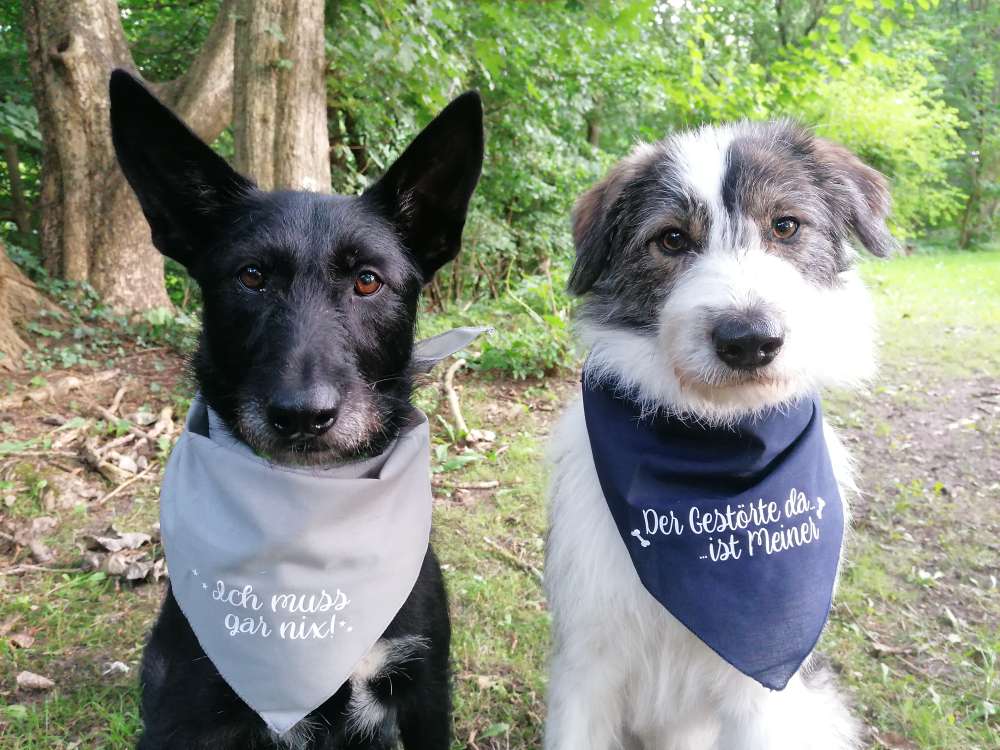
862 196
181 183
426 191
593 228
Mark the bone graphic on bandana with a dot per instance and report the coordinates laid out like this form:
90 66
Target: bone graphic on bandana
637 535
735 552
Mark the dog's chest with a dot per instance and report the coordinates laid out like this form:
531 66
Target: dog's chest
370 711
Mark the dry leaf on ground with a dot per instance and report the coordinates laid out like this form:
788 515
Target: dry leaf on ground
32 681
22 640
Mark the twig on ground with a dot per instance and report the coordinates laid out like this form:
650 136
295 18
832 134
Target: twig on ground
449 389
513 559
150 350
94 461
43 454
487 485
29 568
117 400
116 443
68 437
164 424
113 418
128 482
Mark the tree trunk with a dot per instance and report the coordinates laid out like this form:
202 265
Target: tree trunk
22 212
971 205
19 301
91 226
593 130
279 98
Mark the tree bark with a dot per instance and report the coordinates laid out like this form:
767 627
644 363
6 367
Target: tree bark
593 129
19 301
91 226
279 99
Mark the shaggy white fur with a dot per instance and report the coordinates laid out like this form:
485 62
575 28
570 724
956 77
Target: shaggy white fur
624 672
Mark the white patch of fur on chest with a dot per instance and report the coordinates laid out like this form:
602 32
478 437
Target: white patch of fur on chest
366 714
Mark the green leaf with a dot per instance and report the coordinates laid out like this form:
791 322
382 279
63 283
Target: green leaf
860 21
275 31
495 730
887 26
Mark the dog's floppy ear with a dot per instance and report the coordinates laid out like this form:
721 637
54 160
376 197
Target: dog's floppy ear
592 229
862 195
426 191
180 182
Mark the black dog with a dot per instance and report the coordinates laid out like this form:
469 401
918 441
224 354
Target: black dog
310 305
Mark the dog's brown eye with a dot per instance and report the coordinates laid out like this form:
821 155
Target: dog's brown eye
252 278
367 283
673 240
785 227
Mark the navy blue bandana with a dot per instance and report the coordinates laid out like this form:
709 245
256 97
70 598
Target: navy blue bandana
735 530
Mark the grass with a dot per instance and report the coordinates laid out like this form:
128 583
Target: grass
913 634
939 311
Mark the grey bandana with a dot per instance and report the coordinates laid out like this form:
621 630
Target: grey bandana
289 576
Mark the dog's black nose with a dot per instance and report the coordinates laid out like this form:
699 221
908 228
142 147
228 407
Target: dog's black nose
747 343
295 414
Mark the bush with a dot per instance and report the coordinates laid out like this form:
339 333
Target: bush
531 321
910 134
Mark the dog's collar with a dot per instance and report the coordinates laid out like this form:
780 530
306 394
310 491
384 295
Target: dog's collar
735 530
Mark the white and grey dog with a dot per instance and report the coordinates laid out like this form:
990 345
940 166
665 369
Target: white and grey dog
718 280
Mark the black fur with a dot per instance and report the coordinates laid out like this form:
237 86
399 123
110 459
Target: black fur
306 337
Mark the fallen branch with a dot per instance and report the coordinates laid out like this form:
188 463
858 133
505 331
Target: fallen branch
513 559
449 389
487 485
69 436
29 568
40 454
124 485
117 400
95 462
116 443
164 424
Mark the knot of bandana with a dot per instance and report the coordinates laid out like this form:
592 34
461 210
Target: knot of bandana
289 576
735 530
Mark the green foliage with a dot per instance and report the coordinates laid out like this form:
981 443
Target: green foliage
83 332
911 135
534 339
19 123
570 86
164 37
183 291
531 336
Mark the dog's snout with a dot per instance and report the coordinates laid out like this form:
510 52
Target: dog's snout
747 343
297 415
